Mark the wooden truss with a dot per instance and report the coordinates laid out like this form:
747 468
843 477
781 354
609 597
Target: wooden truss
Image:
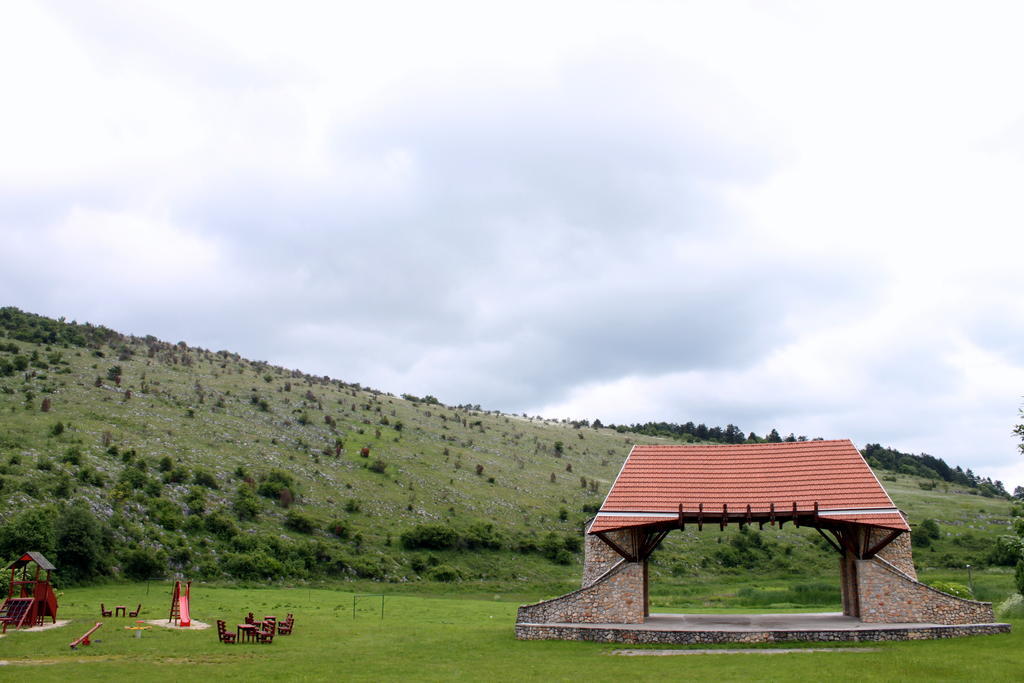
847 538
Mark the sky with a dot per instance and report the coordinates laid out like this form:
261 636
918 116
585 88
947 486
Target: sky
794 215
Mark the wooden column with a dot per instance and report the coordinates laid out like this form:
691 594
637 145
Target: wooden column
647 601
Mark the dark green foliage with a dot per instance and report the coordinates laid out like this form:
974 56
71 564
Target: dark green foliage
166 514
83 543
196 501
72 456
246 503
928 466
481 535
746 549
220 525
559 548
444 573
254 566
274 482
32 529
430 537
141 564
378 466
177 475
202 477
339 528
1018 576
926 532
29 327
300 522
1006 552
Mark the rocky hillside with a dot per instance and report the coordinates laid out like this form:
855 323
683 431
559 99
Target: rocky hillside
124 455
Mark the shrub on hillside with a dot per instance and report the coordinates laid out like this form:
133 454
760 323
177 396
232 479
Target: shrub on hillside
245 503
300 522
203 478
140 564
220 525
83 544
430 536
1006 551
482 535
274 482
252 566
444 573
196 501
166 514
31 529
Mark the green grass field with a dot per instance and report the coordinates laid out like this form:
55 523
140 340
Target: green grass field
428 638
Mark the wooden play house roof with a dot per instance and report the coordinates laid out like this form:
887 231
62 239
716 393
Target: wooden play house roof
32 556
817 483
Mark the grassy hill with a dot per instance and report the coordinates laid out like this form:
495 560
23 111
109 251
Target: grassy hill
161 458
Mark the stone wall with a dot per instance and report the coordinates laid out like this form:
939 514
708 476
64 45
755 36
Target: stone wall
888 596
896 553
615 599
612 634
612 591
598 557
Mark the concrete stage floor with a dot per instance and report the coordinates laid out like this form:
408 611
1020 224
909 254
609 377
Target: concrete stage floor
749 628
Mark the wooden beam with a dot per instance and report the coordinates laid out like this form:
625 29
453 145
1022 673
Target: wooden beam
771 513
700 517
682 523
652 541
796 521
725 517
749 517
830 541
615 546
873 550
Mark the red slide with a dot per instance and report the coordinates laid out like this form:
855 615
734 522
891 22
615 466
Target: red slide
183 616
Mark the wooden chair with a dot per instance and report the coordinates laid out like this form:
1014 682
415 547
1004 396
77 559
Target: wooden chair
136 612
105 612
266 634
223 634
285 627
250 619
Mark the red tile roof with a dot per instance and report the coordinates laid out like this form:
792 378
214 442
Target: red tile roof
656 479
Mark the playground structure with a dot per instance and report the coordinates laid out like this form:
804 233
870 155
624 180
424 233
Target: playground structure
29 598
84 640
179 605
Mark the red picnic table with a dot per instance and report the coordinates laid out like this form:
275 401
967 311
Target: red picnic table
246 632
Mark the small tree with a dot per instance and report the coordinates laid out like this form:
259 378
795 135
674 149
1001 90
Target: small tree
246 503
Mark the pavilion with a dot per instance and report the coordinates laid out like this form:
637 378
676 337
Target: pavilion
824 485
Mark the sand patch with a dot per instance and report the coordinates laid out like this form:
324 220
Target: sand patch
44 627
196 625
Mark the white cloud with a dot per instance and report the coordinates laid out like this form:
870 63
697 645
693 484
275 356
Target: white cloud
795 216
